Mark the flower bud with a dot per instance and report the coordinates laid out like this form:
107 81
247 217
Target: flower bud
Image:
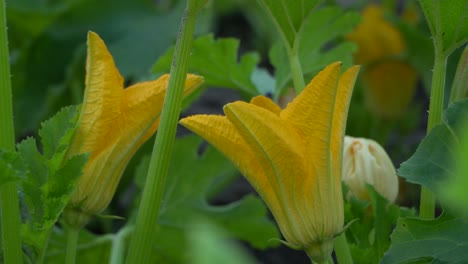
366 162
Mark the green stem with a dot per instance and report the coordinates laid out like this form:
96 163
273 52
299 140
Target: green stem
296 70
144 237
9 202
41 256
118 245
342 252
427 201
72 242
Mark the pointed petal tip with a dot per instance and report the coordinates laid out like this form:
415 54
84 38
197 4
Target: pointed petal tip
195 80
352 72
265 102
187 121
94 38
192 83
230 107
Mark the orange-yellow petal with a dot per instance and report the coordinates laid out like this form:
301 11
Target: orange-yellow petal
266 103
315 103
222 134
311 112
103 92
340 115
143 103
280 152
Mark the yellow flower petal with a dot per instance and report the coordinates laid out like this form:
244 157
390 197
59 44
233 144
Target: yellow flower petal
340 115
280 152
101 103
266 103
311 112
220 133
143 100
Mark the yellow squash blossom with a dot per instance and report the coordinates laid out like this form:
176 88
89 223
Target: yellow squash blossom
389 82
292 157
113 123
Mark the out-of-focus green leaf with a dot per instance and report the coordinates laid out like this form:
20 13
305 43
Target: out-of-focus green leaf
289 16
432 162
443 240
208 245
316 47
40 14
448 23
49 179
454 193
194 179
420 52
264 82
217 61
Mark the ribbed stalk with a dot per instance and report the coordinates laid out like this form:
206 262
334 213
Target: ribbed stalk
436 107
9 193
144 237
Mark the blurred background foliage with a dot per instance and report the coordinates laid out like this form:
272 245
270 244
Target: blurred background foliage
47 41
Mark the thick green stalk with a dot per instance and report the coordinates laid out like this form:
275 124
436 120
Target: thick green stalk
296 70
9 201
343 255
427 202
144 237
72 243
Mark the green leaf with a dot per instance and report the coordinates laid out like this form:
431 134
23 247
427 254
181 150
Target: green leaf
49 180
432 162
217 61
443 240
9 163
448 23
55 133
369 235
193 180
288 16
454 193
320 30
